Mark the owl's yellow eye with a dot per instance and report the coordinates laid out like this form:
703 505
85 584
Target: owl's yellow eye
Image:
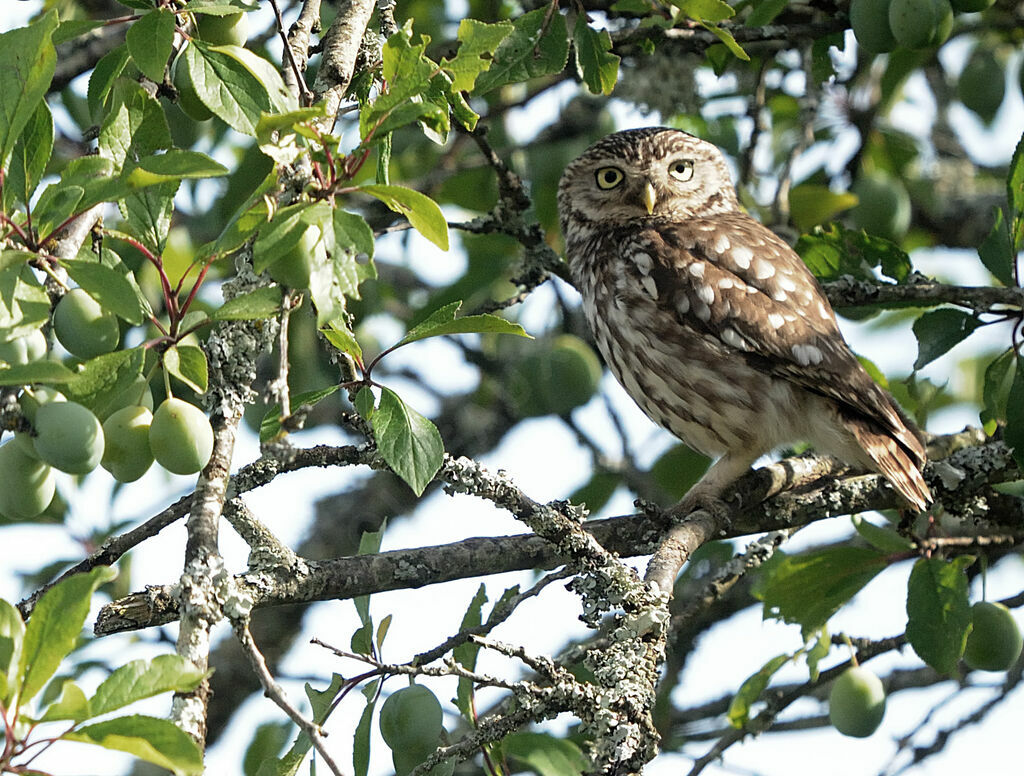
681 169
609 177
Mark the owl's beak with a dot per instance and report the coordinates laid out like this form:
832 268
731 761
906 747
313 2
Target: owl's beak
650 197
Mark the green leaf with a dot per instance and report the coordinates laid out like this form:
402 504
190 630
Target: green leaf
834 250
134 127
479 41
809 588
728 40
538 45
938 612
102 79
361 642
597 66
157 741
54 627
12 634
545 754
283 232
45 372
255 305
71 705
442 322
765 11
188 364
338 333
407 72
1015 195
1014 432
27 61
465 654
110 288
365 402
361 739
881 538
140 679
105 376
939 330
996 389
369 544
818 652
811 204
705 10
422 212
172 166
265 746
678 469
596 492
270 426
751 689
407 441
226 86
30 157
148 213
24 305
995 251
150 40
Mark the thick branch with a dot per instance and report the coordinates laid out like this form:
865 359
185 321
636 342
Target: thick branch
959 478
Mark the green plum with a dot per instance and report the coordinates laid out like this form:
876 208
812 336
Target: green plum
188 98
83 327
180 437
126 453
28 484
68 437
230 29
856 703
23 350
995 641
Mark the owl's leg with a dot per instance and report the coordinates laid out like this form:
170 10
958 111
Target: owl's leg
706 493
706 516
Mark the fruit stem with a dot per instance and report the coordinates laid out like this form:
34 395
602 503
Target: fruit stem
853 652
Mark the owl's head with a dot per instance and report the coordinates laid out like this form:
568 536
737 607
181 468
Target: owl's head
648 174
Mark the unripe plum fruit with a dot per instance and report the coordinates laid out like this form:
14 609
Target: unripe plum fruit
30 402
883 206
918 24
188 97
856 704
411 717
83 327
68 437
556 377
180 437
870 22
28 484
126 453
230 29
995 641
23 350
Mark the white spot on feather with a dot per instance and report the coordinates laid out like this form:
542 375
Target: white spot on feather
763 269
776 320
649 286
697 269
721 243
706 294
683 305
731 337
643 262
806 355
742 256
786 282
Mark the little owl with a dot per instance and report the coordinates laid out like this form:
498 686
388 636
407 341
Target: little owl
712 323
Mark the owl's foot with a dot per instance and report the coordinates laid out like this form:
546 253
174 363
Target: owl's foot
693 502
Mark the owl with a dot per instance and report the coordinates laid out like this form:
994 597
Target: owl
712 323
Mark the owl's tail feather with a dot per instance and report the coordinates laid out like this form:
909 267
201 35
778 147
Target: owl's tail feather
896 464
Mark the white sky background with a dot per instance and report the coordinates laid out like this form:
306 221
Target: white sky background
544 459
